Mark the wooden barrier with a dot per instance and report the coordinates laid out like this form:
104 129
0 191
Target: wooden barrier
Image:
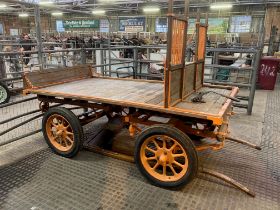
189 79
48 77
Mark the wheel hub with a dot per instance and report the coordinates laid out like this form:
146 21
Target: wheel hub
164 156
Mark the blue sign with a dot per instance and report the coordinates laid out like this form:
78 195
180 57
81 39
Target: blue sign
1 29
161 24
132 24
104 25
59 26
239 24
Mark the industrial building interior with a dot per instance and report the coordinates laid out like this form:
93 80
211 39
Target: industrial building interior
141 104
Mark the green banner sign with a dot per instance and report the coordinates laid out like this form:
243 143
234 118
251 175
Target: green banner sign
81 24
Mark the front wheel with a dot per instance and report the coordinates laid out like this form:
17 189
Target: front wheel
4 94
62 131
166 156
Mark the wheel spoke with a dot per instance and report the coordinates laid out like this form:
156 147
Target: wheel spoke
150 150
59 120
151 158
69 139
178 155
64 123
164 169
53 124
55 138
67 143
163 143
69 133
58 140
156 144
156 165
173 146
172 169
178 164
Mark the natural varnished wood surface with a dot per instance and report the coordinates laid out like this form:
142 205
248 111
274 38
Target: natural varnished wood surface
136 92
123 90
49 77
213 102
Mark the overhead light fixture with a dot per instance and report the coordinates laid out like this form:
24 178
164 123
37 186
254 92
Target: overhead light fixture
151 9
108 1
46 2
23 15
57 13
221 6
3 6
98 12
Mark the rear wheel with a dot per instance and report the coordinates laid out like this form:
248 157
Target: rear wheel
166 156
4 94
62 131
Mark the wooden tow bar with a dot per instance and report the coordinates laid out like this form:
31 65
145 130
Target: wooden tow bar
243 142
228 180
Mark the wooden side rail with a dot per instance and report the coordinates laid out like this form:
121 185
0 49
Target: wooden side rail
48 77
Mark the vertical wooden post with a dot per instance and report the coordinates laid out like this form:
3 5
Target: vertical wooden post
168 56
203 67
197 33
196 49
186 14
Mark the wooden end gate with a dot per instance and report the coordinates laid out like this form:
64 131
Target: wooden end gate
183 79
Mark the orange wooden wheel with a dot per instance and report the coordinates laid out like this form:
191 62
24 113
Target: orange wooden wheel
164 158
60 133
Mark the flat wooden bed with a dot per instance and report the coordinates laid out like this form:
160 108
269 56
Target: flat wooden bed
131 92
139 94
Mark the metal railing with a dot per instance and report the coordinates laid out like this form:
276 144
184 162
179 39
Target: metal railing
243 76
107 63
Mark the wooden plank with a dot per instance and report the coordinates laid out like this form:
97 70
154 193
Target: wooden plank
175 86
201 45
213 102
145 94
48 77
156 100
149 95
199 75
189 79
113 89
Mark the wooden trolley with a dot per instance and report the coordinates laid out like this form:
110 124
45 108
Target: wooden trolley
162 115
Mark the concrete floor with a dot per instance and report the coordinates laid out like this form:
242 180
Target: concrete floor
32 177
